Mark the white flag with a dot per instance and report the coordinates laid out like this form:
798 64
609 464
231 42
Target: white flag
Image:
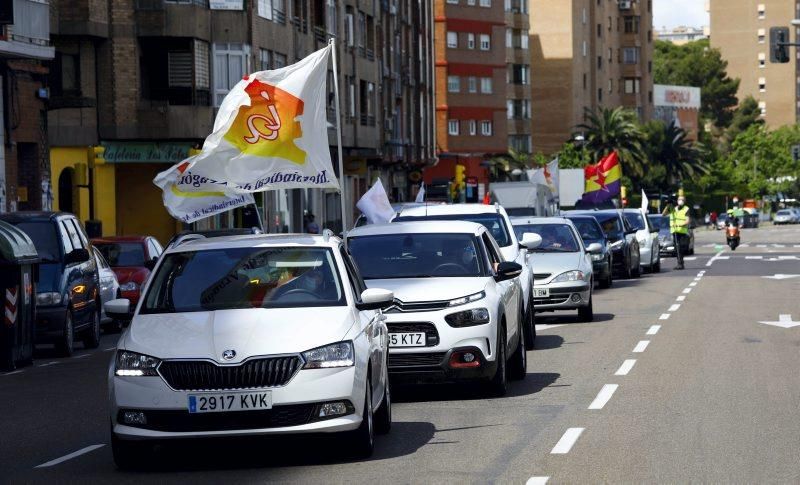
645 203
551 175
270 133
421 194
375 205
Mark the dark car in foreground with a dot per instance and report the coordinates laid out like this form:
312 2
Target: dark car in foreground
603 262
622 241
68 297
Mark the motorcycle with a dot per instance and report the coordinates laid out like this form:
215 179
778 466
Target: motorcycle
732 234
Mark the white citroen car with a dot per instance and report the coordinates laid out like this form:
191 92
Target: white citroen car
251 335
647 236
458 312
497 222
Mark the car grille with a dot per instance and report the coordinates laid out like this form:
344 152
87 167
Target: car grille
184 375
401 361
541 276
431 334
551 300
417 306
183 421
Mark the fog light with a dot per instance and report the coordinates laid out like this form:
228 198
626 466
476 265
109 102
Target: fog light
576 298
134 417
332 409
469 357
464 359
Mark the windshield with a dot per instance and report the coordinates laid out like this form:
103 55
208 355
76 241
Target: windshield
635 220
416 256
493 222
588 229
555 237
784 213
122 254
44 237
237 278
611 224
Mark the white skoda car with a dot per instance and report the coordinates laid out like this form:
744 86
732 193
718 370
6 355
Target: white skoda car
458 312
251 335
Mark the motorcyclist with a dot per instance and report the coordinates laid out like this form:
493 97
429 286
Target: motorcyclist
679 221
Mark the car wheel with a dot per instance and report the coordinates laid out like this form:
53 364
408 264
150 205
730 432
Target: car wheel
383 416
637 271
66 342
530 326
498 386
362 440
586 313
519 359
628 269
92 338
130 455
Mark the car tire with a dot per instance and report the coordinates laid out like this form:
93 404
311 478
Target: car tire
92 338
586 313
530 326
637 273
383 416
66 343
519 359
628 270
362 440
498 385
656 267
130 455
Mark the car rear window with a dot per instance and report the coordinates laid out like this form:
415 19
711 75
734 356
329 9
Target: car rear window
45 239
588 229
555 237
122 254
494 223
635 220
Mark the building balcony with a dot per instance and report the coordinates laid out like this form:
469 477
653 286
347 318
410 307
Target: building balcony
519 126
518 55
161 121
631 70
518 91
158 18
29 36
518 20
87 18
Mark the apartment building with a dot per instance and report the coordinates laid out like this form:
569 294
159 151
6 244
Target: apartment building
24 50
740 30
142 79
681 35
587 54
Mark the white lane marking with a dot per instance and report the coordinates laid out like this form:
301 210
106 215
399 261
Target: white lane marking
686 291
690 258
537 480
47 364
109 349
12 373
797 245
787 257
653 329
641 346
701 272
674 308
603 396
778 245
72 455
625 367
566 442
693 284
716 257
761 245
699 278
745 245
754 257
681 298
709 245
664 316
81 356
545 327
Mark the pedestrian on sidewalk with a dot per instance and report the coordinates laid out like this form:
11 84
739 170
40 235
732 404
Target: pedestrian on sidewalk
679 221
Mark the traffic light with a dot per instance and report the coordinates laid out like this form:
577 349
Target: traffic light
778 45
96 156
623 193
460 176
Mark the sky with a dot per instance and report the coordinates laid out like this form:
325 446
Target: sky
674 13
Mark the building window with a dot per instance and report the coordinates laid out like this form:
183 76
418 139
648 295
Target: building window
65 75
349 28
610 56
600 95
631 24
762 60
630 55
585 49
585 17
762 105
762 11
230 66
517 6
452 40
272 10
486 85
350 97
762 84
762 36
473 127
584 80
610 86
486 128
452 127
520 143
509 37
599 62
333 18
486 42
264 58
367 103
518 109
472 84
485 3
279 60
632 85
520 74
453 84
453 2
471 3
470 41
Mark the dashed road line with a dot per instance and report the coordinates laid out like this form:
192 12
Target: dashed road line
48 364
641 346
81 356
625 367
681 298
686 291
664 316
761 245
12 373
537 480
693 284
114 348
70 456
690 258
653 330
674 308
567 441
754 257
603 396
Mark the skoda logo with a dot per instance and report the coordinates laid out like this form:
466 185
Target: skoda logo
229 354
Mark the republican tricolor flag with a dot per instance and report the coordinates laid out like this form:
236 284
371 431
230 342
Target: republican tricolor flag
602 180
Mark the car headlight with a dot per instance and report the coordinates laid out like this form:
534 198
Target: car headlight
134 364
129 286
598 257
468 318
569 276
339 354
467 299
48 299
617 244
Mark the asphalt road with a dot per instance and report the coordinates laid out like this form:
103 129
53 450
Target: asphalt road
676 381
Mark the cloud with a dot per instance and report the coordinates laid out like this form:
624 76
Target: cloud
674 13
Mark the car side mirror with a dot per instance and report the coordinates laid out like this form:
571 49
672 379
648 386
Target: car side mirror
151 263
79 255
508 270
119 309
530 241
594 248
375 299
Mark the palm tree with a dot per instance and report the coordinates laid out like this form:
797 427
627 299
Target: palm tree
614 130
679 156
501 167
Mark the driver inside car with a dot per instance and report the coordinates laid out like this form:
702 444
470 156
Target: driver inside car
550 240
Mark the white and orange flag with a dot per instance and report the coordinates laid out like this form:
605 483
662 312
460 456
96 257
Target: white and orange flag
270 133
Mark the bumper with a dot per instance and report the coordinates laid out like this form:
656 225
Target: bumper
564 296
50 323
293 411
441 367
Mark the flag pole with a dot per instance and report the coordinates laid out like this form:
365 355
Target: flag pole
332 43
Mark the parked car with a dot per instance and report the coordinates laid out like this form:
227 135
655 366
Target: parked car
458 312
67 299
109 288
622 241
250 335
665 240
602 263
565 275
132 258
647 237
497 222
785 216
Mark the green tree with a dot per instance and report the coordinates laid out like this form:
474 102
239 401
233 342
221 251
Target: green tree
697 64
747 114
615 130
501 168
668 147
760 161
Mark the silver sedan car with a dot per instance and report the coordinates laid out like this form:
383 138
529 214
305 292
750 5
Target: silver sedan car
563 277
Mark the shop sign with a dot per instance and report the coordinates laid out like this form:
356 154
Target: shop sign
145 152
226 4
676 96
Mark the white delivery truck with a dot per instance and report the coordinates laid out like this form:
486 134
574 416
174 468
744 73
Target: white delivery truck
522 198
